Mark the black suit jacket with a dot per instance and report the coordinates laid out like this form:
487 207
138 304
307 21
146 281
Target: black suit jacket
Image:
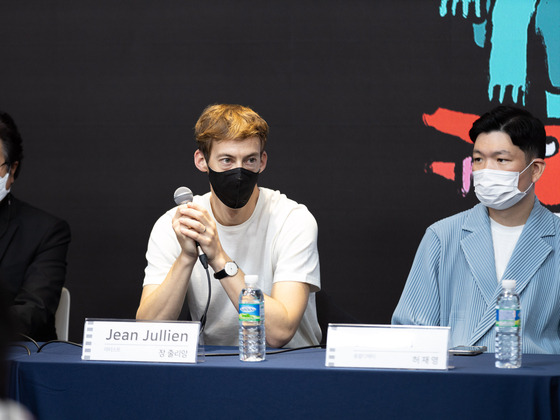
33 247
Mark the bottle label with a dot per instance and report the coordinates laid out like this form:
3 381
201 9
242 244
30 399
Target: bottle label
508 318
250 312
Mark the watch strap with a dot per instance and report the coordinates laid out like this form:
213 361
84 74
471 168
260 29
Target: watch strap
220 274
223 273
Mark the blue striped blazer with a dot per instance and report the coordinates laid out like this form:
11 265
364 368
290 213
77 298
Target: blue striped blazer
453 280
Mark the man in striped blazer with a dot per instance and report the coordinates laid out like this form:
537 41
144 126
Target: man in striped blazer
456 274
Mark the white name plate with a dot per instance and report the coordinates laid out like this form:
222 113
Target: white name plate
387 346
140 341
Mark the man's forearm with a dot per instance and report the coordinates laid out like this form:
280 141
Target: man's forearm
165 301
283 310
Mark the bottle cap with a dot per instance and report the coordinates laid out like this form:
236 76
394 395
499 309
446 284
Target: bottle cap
251 279
508 284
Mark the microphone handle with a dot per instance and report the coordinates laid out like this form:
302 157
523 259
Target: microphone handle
202 256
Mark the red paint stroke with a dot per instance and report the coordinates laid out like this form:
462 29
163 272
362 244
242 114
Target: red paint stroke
547 187
455 123
445 169
458 125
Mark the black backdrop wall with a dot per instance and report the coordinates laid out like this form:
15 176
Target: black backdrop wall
106 94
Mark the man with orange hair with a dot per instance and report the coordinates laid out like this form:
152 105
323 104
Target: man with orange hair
242 229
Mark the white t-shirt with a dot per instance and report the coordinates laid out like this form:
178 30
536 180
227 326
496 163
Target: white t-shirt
11 410
504 238
277 243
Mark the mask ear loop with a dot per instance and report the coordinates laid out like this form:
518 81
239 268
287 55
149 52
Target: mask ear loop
525 192
533 161
532 183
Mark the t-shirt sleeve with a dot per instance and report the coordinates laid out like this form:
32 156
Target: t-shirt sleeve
296 257
163 249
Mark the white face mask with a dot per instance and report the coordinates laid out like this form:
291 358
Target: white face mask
498 189
3 181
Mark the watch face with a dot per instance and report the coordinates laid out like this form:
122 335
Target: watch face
231 268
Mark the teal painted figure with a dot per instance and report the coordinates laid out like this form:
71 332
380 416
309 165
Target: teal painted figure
505 30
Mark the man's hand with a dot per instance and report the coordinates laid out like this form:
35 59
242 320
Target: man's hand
192 223
187 228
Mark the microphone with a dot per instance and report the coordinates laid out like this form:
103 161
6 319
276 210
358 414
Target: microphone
184 195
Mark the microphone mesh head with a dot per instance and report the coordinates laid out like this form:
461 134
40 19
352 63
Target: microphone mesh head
182 195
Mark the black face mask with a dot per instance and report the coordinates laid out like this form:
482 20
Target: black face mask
233 187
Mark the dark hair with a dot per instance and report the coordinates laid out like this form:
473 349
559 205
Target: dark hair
525 131
11 141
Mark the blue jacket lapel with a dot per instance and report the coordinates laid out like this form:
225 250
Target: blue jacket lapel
529 254
479 252
531 249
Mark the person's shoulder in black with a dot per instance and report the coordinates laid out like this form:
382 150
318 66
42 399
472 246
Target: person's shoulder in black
33 248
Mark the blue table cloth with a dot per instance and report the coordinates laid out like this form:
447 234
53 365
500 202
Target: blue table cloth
57 384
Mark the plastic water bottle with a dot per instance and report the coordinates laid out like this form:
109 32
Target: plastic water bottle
508 327
252 340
